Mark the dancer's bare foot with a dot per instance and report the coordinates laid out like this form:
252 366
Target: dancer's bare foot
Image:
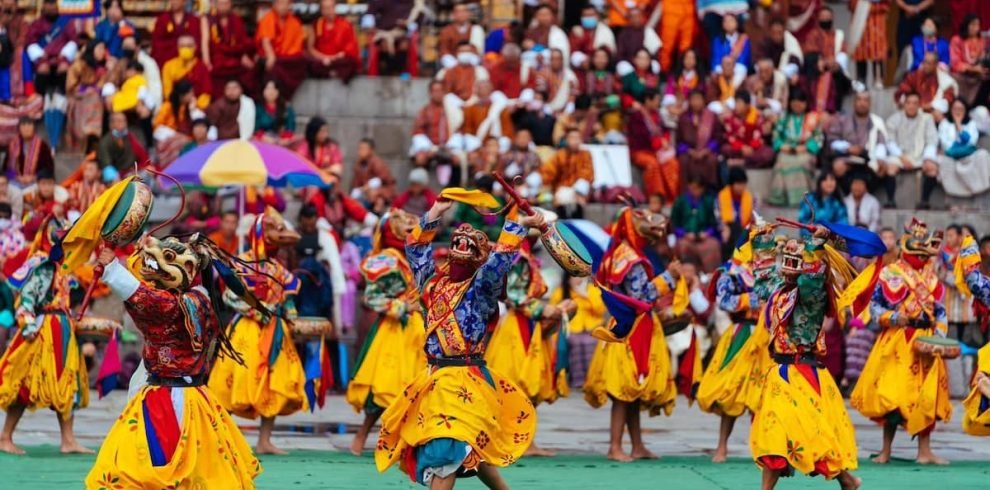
882 458
847 481
357 446
269 448
617 454
720 455
8 446
643 453
537 451
73 447
931 458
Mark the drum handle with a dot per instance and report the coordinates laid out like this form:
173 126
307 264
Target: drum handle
522 203
97 275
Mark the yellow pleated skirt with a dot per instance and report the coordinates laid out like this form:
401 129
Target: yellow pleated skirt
901 386
554 381
469 404
46 371
612 373
260 388
800 427
211 451
975 421
392 356
527 367
732 385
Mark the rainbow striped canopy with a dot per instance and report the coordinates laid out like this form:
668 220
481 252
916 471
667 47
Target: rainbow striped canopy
239 162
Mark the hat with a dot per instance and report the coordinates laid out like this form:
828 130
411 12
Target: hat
419 176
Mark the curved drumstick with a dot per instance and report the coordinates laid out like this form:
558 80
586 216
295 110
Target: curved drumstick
522 203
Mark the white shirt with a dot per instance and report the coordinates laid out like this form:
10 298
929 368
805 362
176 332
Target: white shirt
867 212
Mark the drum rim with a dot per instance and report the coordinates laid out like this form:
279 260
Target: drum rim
571 239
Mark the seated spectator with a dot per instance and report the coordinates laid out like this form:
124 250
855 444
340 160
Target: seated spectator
722 85
202 214
520 159
651 149
693 220
583 119
27 154
200 135
768 87
912 141
964 167
281 41
40 198
929 82
636 36
506 74
599 80
318 147
929 42
460 80
862 208
698 135
275 120
227 49
779 46
173 123
114 28
169 27
12 196
968 60
638 78
459 30
233 114
685 78
119 149
418 197
489 115
257 198
151 100
735 209
556 80
857 142
826 204
568 176
52 48
537 118
187 66
226 235
545 32
591 34
390 25
431 129
744 135
797 139
372 175
732 43
84 88
332 45
84 192
820 84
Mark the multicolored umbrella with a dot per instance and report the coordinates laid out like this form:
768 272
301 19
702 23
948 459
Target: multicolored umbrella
239 162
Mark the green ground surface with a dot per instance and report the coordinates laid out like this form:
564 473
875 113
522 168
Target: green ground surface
44 468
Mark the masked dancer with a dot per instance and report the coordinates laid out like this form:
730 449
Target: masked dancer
971 282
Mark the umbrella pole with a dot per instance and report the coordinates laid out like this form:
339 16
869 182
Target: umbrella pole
240 216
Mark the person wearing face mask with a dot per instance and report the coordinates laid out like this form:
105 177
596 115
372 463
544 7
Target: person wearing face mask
929 42
828 41
591 34
84 82
227 49
460 80
188 66
119 148
114 28
169 27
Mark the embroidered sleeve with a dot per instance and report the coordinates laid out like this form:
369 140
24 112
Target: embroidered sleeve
637 284
502 257
419 250
383 296
152 306
35 290
730 300
881 310
979 285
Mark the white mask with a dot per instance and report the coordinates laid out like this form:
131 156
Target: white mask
467 59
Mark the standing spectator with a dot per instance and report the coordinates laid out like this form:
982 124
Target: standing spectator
779 46
114 27
52 48
857 141
460 30
233 114
958 307
694 224
735 209
589 315
118 148
13 40
769 89
84 192
912 14
281 41
678 28
371 173
226 235
227 49
173 123
964 167
636 36
872 48
862 208
744 135
332 45
969 62
828 41
928 41
169 27
187 66
732 43
538 119
83 87
912 142
27 154
275 120
418 197
826 203
591 33
390 23
545 32
318 147
568 175
797 139
12 195
651 150
685 78
506 74
821 84
698 135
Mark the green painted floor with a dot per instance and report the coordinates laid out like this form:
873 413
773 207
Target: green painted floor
44 468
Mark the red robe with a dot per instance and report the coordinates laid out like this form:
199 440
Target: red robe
227 46
165 36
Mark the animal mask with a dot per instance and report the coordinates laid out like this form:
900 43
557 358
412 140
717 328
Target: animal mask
920 242
791 257
169 263
401 223
270 233
469 247
651 226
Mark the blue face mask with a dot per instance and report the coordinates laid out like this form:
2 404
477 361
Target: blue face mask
589 22
118 133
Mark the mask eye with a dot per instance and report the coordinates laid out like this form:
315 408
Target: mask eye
168 255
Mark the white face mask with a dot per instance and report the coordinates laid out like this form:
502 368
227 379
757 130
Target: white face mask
535 105
467 59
